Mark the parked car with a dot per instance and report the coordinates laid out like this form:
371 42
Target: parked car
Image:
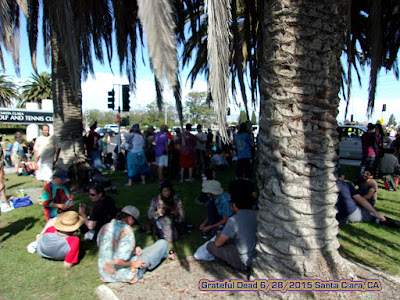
104 131
113 127
350 141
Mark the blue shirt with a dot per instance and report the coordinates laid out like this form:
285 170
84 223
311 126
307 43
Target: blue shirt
8 149
223 206
345 204
242 142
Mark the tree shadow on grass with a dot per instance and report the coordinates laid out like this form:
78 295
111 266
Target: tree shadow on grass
16 227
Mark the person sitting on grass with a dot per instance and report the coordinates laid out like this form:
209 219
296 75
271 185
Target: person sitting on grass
368 187
166 209
120 260
59 242
57 196
390 168
102 212
218 208
352 207
241 228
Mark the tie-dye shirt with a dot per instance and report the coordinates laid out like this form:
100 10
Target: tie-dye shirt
55 194
116 240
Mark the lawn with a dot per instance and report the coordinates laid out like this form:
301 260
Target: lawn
27 276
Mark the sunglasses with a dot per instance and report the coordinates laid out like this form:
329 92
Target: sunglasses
92 195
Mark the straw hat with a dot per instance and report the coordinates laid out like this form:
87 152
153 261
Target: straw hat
68 221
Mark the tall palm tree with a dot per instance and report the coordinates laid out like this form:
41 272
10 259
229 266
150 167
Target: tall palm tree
36 89
72 31
299 79
8 91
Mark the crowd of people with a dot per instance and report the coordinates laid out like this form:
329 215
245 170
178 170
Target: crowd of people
231 217
120 259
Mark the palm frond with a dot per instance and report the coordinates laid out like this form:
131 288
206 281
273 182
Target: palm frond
159 25
218 56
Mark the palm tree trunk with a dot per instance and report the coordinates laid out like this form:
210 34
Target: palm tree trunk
67 107
299 86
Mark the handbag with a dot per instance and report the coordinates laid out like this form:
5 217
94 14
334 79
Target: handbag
127 145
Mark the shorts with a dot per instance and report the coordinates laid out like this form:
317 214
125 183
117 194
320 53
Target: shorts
44 172
162 161
187 161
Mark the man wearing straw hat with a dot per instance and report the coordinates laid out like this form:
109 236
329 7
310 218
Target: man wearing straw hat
59 241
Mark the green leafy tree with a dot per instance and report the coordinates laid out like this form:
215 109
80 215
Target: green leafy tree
254 118
392 120
8 91
242 117
198 111
36 89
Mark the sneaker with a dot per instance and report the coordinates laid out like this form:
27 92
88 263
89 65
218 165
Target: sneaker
32 247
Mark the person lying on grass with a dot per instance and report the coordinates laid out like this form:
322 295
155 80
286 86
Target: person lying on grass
59 242
352 207
120 260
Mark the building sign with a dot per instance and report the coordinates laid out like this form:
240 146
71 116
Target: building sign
22 116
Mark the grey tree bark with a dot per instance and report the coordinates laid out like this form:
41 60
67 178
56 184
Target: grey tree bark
299 90
67 108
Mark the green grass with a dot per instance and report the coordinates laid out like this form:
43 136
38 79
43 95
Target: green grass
372 244
27 276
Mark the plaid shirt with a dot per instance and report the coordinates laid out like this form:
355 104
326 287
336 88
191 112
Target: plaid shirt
223 205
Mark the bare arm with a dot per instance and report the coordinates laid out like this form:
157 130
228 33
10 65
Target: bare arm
221 240
364 203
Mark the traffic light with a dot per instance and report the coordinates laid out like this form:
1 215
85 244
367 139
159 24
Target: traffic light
384 107
111 99
125 97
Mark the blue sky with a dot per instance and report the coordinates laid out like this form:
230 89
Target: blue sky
94 90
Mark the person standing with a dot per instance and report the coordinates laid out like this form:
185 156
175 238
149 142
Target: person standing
8 153
160 142
243 145
92 145
3 197
136 158
369 149
187 158
18 150
201 150
46 152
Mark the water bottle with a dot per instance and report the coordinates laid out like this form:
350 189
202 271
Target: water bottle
171 254
158 223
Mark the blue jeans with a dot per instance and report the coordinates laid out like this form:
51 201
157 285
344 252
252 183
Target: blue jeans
95 159
153 255
367 162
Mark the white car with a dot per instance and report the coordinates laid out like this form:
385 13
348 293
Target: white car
113 127
350 141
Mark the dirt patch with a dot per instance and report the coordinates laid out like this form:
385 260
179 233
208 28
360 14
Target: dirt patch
180 280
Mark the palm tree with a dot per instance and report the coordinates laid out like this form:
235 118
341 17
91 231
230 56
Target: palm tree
71 31
299 81
8 91
36 89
